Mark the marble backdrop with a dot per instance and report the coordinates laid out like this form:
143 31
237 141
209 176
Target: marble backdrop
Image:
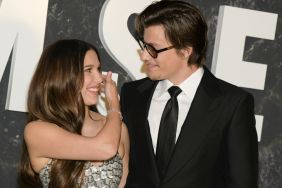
79 19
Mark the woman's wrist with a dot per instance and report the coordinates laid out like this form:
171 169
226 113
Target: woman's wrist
113 110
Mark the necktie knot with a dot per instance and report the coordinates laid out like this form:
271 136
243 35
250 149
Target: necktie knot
174 91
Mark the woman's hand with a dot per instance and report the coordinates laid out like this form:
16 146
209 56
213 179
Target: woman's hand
111 92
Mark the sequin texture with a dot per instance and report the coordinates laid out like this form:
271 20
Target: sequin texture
106 175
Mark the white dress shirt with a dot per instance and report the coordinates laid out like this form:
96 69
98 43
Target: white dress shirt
161 96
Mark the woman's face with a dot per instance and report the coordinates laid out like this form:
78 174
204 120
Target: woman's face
92 78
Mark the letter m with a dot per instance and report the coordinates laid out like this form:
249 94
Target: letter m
22 30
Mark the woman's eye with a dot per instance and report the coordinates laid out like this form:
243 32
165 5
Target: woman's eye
87 70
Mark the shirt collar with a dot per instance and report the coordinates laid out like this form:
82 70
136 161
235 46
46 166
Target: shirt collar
188 86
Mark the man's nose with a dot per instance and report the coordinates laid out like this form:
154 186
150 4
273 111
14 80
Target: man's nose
144 55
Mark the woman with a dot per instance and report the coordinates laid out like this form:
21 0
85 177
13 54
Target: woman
65 143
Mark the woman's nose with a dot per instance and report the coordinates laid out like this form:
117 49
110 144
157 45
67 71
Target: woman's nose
98 77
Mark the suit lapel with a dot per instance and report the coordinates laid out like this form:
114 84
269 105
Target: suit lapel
196 125
143 138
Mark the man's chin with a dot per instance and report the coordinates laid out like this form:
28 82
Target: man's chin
154 77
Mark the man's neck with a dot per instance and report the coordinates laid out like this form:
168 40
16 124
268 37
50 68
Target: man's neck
185 74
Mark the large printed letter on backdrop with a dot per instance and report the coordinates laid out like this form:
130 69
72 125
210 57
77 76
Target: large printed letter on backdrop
234 24
22 26
115 36
117 40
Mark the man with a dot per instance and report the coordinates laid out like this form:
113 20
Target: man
199 133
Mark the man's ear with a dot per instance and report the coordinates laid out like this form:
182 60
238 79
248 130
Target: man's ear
187 52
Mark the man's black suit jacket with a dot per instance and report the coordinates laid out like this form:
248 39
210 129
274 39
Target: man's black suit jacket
217 146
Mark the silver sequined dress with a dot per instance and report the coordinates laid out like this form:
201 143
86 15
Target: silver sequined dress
106 175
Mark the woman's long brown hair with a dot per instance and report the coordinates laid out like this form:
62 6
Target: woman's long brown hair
54 96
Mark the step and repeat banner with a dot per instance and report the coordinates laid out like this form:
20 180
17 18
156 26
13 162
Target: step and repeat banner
245 48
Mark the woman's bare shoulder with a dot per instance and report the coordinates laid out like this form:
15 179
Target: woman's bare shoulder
36 128
38 124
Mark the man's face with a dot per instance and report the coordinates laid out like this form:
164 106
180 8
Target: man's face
169 64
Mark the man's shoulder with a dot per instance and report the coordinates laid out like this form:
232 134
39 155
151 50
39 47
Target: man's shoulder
230 89
137 83
211 82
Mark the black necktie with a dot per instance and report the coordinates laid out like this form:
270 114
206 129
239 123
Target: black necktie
167 131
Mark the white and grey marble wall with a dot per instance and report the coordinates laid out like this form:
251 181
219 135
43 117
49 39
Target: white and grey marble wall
79 19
